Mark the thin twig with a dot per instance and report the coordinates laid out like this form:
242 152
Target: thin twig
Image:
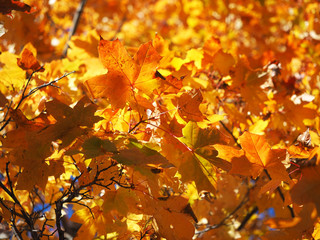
231 134
222 222
73 192
15 230
10 192
32 91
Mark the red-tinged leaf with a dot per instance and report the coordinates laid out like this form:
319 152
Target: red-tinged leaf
172 125
174 84
6 6
147 59
28 61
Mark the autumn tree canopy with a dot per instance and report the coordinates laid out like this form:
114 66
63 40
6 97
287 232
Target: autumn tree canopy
167 119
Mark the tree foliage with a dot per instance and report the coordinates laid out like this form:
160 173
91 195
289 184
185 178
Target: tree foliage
183 119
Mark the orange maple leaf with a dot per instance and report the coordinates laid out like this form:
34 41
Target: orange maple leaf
261 156
124 72
256 157
188 106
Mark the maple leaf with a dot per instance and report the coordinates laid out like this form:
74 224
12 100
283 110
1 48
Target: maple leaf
259 153
197 169
161 110
124 72
28 61
249 81
71 122
256 157
188 106
201 141
194 156
94 147
6 6
35 172
211 154
196 137
139 155
210 48
12 76
240 164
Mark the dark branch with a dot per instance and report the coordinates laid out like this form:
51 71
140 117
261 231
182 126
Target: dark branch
247 218
75 23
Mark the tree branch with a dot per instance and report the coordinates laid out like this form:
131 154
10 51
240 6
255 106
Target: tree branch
73 192
75 23
247 218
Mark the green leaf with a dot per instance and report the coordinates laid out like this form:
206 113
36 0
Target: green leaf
95 146
196 137
197 169
141 157
121 200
